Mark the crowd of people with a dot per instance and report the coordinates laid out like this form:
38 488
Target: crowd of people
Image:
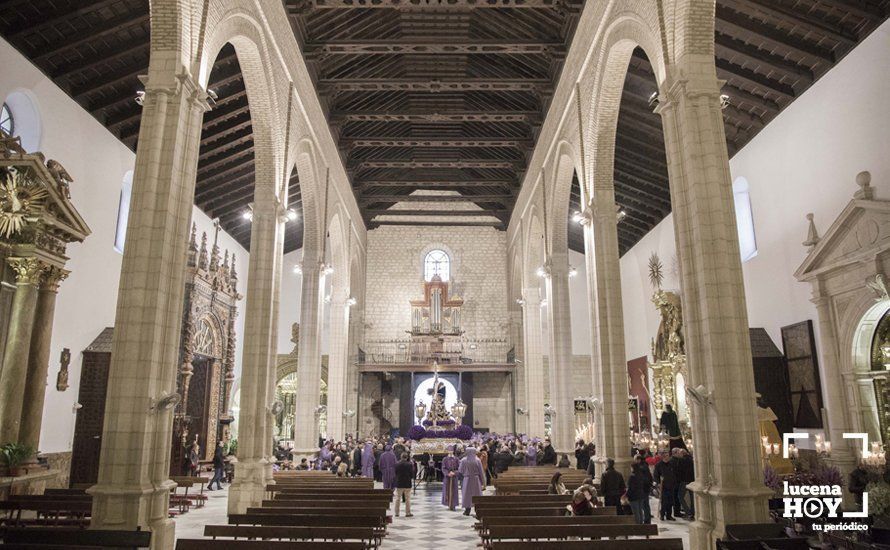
469 468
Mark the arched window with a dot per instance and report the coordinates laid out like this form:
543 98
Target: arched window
438 263
123 212
744 218
7 124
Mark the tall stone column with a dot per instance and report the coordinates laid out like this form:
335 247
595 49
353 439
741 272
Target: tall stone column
352 374
38 361
28 272
729 479
560 320
607 332
533 363
133 489
843 455
517 381
309 373
253 469
337 364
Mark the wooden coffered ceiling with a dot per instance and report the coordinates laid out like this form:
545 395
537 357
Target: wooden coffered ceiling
441 98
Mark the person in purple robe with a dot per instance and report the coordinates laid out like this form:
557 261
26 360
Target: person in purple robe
324 456
450 485
388 468
473 479
368 460
531 455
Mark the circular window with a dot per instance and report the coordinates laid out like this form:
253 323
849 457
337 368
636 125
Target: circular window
7 124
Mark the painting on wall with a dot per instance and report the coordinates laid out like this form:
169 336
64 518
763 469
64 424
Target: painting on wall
638 390
803 374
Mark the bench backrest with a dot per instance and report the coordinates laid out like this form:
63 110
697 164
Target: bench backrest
308 519
559 520
79 537
631 544
533 532
210 544
748 531
760 544
300 532
72 506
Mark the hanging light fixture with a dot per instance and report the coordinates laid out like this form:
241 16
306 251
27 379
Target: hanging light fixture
458 409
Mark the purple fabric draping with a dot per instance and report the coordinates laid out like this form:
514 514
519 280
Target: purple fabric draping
388 468
450 484
368 461
473 478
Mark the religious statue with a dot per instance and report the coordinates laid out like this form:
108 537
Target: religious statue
668 343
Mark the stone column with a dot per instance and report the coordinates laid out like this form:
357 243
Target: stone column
133 489
729 479
28 272
337 364
352 374
517 382
252 470
38 361
533 371
309 373
560 319
836 403
607 332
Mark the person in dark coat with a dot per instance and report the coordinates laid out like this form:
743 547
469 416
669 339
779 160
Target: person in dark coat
378 452
502 460
564 461
670 424
387 465
639 486
612 484
582 457
666 477
858 481
404 474
357 461
548 456
219 467
686 475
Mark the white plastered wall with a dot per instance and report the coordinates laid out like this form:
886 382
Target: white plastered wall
97 161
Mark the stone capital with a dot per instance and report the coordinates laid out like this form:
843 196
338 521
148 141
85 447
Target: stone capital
52 277
28 271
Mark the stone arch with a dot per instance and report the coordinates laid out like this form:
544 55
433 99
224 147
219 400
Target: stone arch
336 235
629 31
535 250
244 33
303 160
566 166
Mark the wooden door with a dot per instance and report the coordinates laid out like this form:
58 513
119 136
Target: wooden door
90 418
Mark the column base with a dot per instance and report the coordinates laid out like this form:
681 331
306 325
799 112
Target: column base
713 512
249 487
128 507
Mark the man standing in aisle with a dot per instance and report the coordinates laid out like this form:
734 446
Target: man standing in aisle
404 478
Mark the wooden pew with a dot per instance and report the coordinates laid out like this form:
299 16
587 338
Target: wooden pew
367 535
191 481
751 531
331 509
630 544
309 520
47 512
299 501
345 501
80 538
761 544
545 532
517 498
210 544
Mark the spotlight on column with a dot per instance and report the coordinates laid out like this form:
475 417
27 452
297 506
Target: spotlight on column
582 217
327 299
166 402
276 408
520 301
247 215
543 271
327 269
140 98
620 215
351 301
212 96
349 413
522 411
320 409
724 101
544 302
291 215
572 271
654 100
298 269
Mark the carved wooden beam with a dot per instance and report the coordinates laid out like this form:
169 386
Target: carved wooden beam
326 85
478 142
796 18
448 213
499 225
505 165
434 184
735 24
371 199
411 5
110 26
464 116
421 46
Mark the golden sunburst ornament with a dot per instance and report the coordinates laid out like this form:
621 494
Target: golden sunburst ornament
21 198
656 271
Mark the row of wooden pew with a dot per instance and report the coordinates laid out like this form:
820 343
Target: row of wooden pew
535 479
306 510
528 522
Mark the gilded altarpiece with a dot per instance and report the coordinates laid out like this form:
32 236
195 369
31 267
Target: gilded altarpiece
207 357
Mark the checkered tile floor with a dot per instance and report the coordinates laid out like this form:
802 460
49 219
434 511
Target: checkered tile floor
433 526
